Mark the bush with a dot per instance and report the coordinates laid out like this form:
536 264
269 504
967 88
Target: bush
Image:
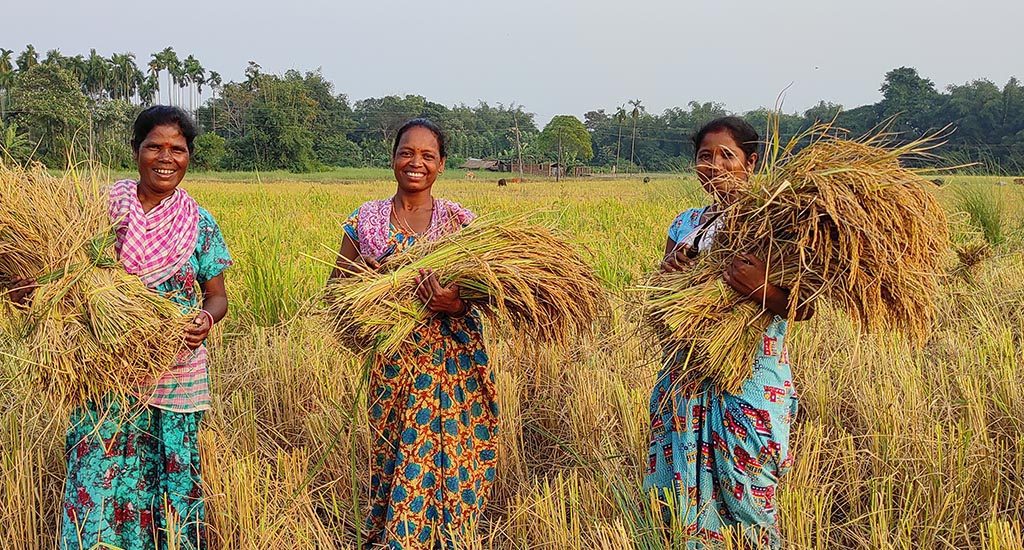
210 151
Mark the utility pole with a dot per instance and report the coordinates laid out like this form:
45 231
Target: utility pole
519 143
558 168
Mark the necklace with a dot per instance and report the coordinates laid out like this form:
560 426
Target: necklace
403 225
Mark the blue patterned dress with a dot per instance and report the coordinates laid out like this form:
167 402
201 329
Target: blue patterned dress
719 456
129 471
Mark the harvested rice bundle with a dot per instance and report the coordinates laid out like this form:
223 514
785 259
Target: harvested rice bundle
517 273
91 329
838 219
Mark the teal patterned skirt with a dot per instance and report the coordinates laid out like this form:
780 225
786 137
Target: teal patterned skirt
132 478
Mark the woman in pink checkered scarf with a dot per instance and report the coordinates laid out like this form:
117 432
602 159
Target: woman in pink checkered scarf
433 406
134 475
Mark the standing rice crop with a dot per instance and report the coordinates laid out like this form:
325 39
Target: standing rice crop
519 274
90 329
839 219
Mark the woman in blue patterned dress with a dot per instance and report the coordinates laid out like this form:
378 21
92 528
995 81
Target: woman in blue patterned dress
719 456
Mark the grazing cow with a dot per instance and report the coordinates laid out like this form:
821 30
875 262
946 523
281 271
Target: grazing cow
1018 181
502 182
470 176
647 179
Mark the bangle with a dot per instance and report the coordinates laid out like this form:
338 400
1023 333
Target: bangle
209 316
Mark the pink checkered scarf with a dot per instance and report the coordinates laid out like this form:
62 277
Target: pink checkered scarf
374 225
155 244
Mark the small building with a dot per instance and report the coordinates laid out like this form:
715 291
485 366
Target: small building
490 165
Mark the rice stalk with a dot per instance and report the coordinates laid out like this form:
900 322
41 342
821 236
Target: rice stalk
90 329
520 275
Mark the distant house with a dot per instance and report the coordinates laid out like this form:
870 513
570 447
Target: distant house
482 164
550 169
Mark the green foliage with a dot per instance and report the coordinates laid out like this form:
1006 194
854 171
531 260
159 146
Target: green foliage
985 210
210 152
14 145
337 150
567 134
53 110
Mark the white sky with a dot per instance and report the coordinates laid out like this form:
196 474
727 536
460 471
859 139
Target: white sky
557 56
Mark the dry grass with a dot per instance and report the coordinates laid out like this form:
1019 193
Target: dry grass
896 447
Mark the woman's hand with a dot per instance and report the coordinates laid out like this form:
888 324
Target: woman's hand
747 275
20 291
198 331
439 299
368 262
678 258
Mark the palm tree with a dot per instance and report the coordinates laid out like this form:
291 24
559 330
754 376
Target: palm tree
76 65
28 58
169 62
149 89
214 81
620 117
54 57
195 74
635 113
125 76
97 73
153 81
6 78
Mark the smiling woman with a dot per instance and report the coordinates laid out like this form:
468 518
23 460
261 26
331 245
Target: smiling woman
433 407
133 477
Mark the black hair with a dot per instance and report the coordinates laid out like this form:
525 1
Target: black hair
160 115
742 132
442 139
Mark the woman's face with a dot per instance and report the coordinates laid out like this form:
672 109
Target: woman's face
418 160
162 159
722 166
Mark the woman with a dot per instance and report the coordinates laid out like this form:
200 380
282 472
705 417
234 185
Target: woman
133 473
433 409
720 455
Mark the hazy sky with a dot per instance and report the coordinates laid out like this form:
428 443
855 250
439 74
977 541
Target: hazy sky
557 56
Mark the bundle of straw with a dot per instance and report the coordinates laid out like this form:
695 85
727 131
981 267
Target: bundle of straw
518 274
90 329
838 219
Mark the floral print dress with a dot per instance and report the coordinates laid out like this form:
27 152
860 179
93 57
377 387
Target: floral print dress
720 456
133 477
433 413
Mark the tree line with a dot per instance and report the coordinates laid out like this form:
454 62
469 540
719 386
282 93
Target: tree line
59 109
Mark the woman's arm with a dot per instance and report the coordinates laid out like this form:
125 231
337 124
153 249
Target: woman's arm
215 302
747 275
350 260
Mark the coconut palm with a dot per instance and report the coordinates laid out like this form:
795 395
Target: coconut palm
54 57
28 58
97 73
77 66
620 117
638 109
153 80
149 89
193 73
169 62
125 76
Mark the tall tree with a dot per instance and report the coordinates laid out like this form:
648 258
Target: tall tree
566 137
638 109
6 79
28 58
